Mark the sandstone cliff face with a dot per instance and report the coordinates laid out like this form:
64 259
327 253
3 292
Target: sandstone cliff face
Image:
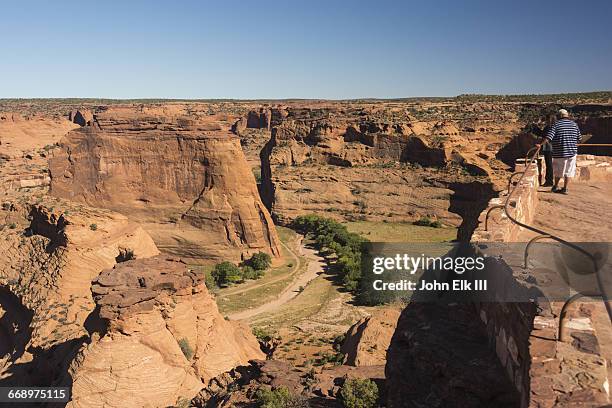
161 338
25 142
184 178
375 164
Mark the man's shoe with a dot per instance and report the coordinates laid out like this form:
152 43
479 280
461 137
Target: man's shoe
555 189
563 190
547 184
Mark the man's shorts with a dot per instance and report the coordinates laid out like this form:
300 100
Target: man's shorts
564 166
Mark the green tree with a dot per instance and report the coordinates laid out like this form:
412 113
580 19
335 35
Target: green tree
359 393
249 273
334 236
226 273
260 261
210 281
261 334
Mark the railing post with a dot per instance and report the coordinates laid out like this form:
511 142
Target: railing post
531 241
489 212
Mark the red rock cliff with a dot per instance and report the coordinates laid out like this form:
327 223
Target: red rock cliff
184 178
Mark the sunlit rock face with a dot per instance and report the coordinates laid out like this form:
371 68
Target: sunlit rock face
184 178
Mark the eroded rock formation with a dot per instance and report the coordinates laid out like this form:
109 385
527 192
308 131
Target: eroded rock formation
54 250
333 161
367 341
161 338
238 387
184 178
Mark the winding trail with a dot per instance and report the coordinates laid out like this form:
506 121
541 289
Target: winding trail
314 267
236 290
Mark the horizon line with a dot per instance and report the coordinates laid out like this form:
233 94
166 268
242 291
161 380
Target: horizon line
368 98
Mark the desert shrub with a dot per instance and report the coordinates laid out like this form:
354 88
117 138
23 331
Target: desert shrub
279 398
125 254
186 348
436 224
93 227
333 358
257 174
262 334
259 261
226 273
338 341
428 222
12 225
359 393
423 222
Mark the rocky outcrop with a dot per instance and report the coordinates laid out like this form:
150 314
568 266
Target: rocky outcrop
184 178
54 250
309 388
160 338
367 340
21 135
81 117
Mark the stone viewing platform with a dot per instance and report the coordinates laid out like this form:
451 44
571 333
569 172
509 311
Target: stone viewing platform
546 371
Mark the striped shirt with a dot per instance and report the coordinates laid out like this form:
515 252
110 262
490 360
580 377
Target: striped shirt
564 136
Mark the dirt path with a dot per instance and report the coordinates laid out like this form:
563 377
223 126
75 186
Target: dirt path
257 284
314 267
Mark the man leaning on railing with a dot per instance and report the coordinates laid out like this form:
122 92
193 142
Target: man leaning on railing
564 136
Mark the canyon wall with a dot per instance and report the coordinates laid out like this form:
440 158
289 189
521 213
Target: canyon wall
377 163
183 178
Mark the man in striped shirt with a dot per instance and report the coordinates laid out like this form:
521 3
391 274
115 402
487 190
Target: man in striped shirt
564 136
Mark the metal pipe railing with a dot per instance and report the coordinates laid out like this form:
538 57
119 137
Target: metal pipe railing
534 239
511 178
566 305
529 162
500 206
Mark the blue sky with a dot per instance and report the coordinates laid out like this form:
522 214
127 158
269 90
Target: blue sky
303 49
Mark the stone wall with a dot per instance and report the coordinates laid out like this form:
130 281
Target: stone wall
545 371
523 206
590 168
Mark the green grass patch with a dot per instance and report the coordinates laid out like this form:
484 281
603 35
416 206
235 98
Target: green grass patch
400 232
